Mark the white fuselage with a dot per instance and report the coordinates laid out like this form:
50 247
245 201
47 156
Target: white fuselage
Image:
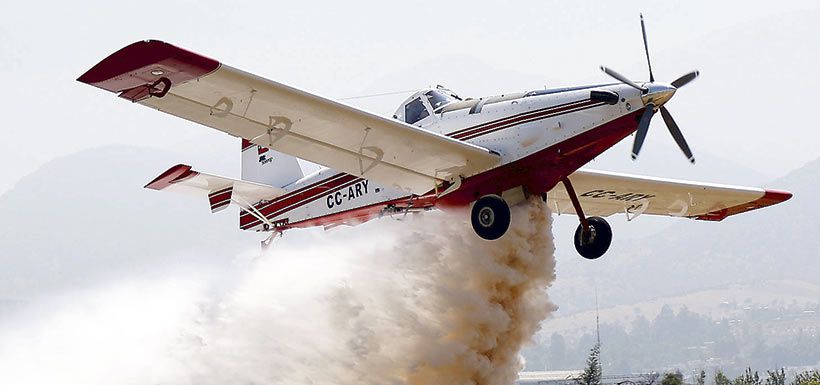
514 126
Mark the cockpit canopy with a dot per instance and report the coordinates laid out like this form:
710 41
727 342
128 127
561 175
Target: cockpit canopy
423 104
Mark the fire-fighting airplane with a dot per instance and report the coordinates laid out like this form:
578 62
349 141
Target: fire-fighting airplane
438 151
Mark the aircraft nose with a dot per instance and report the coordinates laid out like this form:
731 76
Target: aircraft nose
659 93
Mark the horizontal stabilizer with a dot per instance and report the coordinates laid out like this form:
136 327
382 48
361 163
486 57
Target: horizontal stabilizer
219 191
220 199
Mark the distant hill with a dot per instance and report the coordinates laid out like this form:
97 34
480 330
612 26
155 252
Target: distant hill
86 215
716 302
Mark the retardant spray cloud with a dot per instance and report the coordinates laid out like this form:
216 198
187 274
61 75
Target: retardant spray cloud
421 301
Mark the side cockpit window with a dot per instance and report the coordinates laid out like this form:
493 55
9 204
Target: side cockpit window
415 111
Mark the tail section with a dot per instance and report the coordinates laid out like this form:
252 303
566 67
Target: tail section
263 165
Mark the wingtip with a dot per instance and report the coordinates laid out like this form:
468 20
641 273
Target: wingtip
778 195
173 175
769 198
130 66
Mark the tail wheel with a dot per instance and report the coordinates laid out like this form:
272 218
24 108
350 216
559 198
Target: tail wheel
490 217
594 243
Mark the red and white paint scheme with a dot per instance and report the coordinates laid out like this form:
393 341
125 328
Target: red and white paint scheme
437 151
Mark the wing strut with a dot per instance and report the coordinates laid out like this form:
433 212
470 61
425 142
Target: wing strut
253 211
267 242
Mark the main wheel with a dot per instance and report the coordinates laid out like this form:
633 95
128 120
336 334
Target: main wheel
593 244
490 217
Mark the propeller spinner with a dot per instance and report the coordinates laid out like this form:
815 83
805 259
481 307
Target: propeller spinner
655 95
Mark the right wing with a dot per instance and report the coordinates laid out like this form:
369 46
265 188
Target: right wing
220 191
285 119
604 193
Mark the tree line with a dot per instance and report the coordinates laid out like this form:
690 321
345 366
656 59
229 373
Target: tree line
593 375
685 339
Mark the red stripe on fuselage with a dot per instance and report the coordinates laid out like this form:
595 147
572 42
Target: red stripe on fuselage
299 191
302 193
299 200
509 119
533 118
363 213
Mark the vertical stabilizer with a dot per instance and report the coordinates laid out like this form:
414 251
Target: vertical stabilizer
263 165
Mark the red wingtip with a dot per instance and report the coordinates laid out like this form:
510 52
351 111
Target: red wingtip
144 62
173 175
770 197
777 196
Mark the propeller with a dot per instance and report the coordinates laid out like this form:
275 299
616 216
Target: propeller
643 128
655 95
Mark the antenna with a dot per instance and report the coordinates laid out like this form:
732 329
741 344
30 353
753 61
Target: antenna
597 318
377 95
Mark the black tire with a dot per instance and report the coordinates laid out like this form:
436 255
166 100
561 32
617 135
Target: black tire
490 217
596 243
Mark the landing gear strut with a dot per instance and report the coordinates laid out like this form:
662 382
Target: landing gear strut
266 244
490 217
593 236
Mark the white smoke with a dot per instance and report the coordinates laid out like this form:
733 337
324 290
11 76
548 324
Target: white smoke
422 301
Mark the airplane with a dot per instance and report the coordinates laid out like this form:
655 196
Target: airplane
437 151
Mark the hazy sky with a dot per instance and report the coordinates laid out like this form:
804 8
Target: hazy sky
350 48
753 107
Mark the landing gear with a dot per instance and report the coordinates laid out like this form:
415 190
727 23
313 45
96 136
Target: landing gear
593 236
490 217
593 241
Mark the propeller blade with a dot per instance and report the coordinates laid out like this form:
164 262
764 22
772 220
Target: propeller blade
675 131
643 128
683 80
646 48
623 79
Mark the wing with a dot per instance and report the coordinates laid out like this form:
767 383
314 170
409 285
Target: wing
606 193
286 119
219 191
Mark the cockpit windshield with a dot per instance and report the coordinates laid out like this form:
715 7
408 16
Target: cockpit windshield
438 99
425 103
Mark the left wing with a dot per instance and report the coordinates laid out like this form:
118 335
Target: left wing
286 119
605 193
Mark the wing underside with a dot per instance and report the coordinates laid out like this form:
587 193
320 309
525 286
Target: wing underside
286 119
605 193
